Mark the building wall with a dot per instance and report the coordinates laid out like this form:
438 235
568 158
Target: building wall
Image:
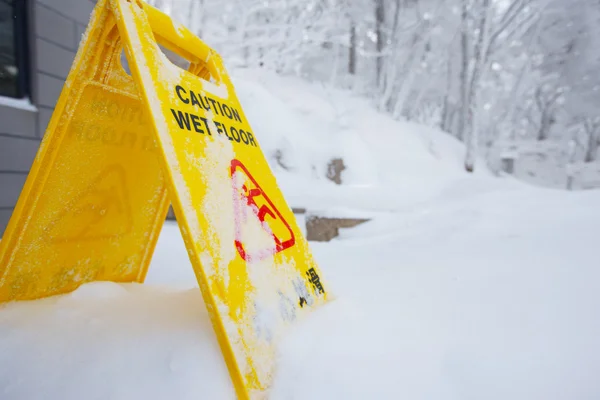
55 29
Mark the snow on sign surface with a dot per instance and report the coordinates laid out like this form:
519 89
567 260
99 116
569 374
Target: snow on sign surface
117 144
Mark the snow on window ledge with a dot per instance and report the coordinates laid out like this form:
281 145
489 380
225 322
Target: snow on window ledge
22 104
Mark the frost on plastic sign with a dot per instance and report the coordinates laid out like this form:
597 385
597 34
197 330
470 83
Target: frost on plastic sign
119 147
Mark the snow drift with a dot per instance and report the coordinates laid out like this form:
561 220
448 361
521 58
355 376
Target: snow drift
461 287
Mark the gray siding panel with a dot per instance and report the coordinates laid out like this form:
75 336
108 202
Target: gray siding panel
78 10
4 217
54 27
16 154
11 185
16 121
49 89
53 59
44 116
79 31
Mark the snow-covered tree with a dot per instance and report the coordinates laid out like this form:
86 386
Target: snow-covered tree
500 75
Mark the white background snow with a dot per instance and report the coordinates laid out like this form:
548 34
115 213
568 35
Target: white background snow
461 287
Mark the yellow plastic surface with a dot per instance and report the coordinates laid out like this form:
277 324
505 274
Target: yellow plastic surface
119 147
95 199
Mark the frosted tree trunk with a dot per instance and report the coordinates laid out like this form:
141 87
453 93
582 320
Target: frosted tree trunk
195 17
334 70
390 71
410 75
592 128
413 105
464 70
352 50
446 119
545 125
379 22
570 173
472 129
516 92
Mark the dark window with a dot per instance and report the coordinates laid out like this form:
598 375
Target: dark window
13 49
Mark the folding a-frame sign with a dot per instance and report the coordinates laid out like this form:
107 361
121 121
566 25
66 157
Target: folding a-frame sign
119 148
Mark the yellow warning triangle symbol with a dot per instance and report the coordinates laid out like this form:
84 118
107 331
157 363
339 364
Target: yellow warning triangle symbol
87 217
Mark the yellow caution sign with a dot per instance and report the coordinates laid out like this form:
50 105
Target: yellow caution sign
119 148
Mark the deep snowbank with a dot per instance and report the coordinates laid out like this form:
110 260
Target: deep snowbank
390 164
464 287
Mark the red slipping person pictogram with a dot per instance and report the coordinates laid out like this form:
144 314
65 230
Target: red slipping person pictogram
248 196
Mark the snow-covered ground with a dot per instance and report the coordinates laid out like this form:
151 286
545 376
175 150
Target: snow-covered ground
461 287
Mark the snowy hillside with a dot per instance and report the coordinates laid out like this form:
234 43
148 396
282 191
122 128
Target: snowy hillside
461 287
310 125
